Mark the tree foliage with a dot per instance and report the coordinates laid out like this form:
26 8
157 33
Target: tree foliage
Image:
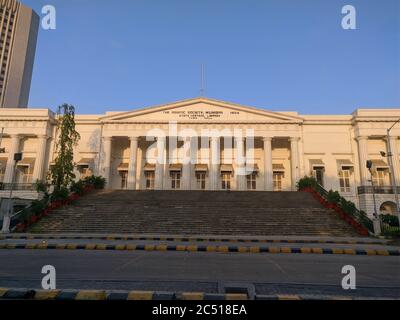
62 172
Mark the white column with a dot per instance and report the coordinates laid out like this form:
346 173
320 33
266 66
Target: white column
240 163
15 142
139 172
363 156
132 163
38 172
194 158
186 164
107 160
159 174
268 171
395 159
215 163
295 164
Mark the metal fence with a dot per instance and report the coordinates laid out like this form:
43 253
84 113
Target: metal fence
389 228
377 190
17 186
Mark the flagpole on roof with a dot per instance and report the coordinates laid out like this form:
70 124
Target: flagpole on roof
202 87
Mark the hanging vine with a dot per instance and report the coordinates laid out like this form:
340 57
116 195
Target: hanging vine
61 173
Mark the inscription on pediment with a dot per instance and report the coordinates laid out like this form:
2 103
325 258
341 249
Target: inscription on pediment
203 112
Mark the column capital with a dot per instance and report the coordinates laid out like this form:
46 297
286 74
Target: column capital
185 138
133 138
15 136
161 138
391 138
239 138
294 139
267 139
362 138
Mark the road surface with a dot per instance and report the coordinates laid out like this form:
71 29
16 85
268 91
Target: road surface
312 274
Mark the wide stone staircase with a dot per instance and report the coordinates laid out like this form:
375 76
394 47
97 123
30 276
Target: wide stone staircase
196 213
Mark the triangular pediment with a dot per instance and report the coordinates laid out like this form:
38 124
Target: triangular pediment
202 110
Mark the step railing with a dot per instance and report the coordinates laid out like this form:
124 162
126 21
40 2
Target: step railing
16 218
355 214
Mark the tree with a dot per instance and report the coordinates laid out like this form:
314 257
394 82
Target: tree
62 172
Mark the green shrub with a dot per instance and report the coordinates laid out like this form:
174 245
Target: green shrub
89 180
37 207
60 194
78 187
333 197
97 182
306 182
26 215
348 206
391 220
41 186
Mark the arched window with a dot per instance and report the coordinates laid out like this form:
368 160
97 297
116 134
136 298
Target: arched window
388 207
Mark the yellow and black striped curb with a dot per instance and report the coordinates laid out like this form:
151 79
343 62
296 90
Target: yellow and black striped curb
6 293
193 248
180 239
102 295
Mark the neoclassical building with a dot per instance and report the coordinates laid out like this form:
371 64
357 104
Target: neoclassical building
206 144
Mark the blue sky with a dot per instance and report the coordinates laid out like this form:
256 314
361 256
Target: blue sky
274 54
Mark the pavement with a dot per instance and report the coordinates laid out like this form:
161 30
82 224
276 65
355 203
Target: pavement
202 243
198 237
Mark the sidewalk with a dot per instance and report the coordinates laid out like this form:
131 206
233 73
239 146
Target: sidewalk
200 238
299 245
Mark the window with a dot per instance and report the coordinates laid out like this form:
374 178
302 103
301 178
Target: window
150 177
85 171
226 181
344 179
175 180
379 177
252 181
25 175
388 207
318 174
278 181
201 180
2 171
124 179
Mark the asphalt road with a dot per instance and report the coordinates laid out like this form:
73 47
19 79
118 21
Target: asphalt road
377 276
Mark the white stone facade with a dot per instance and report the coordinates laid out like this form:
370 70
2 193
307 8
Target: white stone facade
277 148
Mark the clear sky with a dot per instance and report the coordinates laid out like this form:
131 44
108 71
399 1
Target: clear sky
115 55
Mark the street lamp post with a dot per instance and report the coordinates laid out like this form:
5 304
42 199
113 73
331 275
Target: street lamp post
392 173
7 213
376 221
